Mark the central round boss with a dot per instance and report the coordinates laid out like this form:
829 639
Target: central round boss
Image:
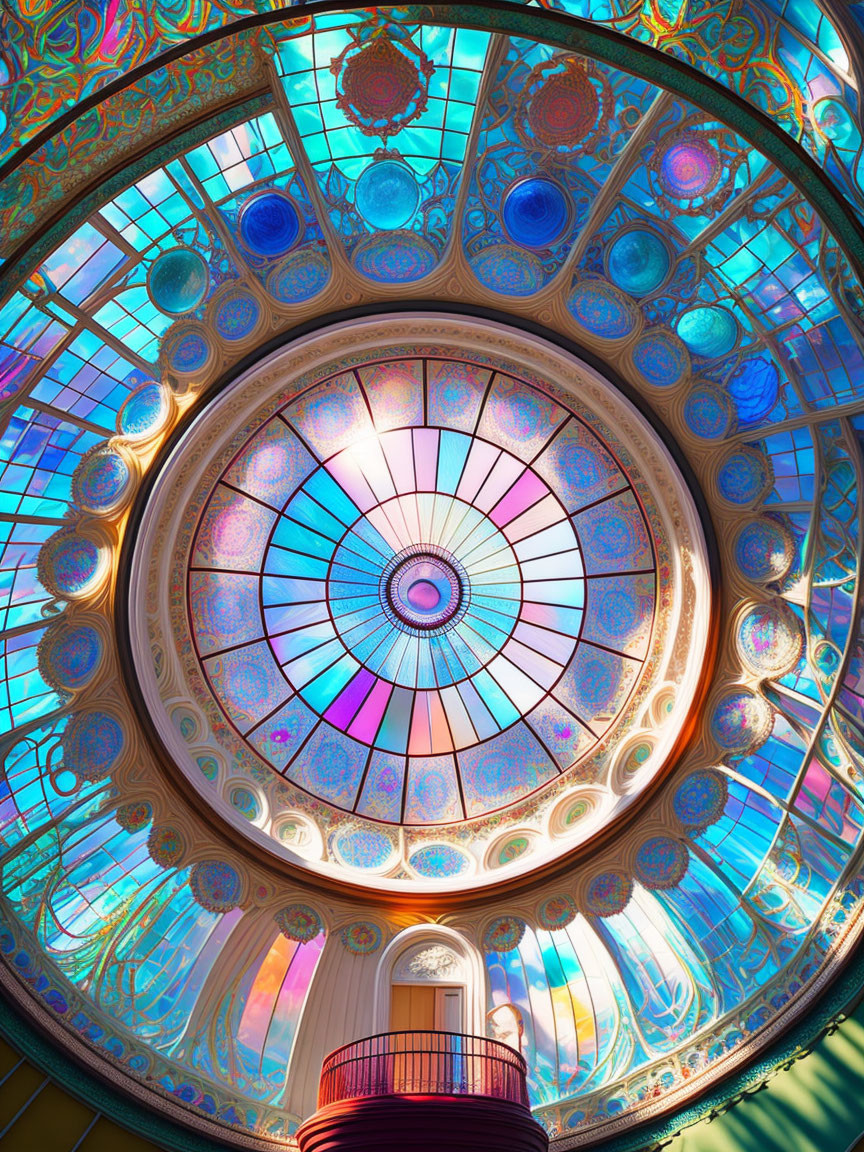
425 588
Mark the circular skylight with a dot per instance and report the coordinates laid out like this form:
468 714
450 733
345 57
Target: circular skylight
425 585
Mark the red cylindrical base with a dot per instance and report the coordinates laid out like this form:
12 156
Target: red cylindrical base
423 1124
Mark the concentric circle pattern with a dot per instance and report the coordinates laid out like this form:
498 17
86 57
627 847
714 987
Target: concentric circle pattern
423 590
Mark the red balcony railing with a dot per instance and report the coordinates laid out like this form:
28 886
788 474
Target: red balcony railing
423 1064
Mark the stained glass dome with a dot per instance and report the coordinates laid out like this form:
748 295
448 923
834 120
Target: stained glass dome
423 587
430 509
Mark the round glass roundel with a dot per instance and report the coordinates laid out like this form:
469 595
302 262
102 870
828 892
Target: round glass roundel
387 195
708 331
422 588
536 211
689 167
143 411
178 281
638 261
269 224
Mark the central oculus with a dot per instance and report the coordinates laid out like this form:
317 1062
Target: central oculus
424 588
417 586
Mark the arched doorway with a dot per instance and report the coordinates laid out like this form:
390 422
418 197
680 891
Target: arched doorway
430 979
427 991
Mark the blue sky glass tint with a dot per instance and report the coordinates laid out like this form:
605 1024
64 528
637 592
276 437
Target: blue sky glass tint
438 134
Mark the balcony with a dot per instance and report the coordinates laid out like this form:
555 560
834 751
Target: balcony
423 1091
423 1064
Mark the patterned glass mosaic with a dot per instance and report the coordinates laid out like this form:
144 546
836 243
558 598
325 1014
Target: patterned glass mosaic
424 597
427 559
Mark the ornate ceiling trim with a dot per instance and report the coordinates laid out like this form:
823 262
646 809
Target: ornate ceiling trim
564 31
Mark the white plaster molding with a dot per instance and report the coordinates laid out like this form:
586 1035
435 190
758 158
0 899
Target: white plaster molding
432 941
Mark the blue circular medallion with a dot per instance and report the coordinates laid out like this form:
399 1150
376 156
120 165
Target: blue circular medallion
638 261
387 195
216 886
68 660
269 224
744 475
708 331
438 860
189 351
661 863
608 894
143 411
701 798
299 276
91 744
68 563
395 257
100 480
764 550
535 212
364 849
661 358
508 270
708 412
178 281
602 309
237 315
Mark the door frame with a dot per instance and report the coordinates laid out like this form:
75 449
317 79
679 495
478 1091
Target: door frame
467 971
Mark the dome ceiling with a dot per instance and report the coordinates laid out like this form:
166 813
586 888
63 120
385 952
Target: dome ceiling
788 60
431 495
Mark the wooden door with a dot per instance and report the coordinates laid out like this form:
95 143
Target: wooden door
412 1008
425 1064
448 1010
